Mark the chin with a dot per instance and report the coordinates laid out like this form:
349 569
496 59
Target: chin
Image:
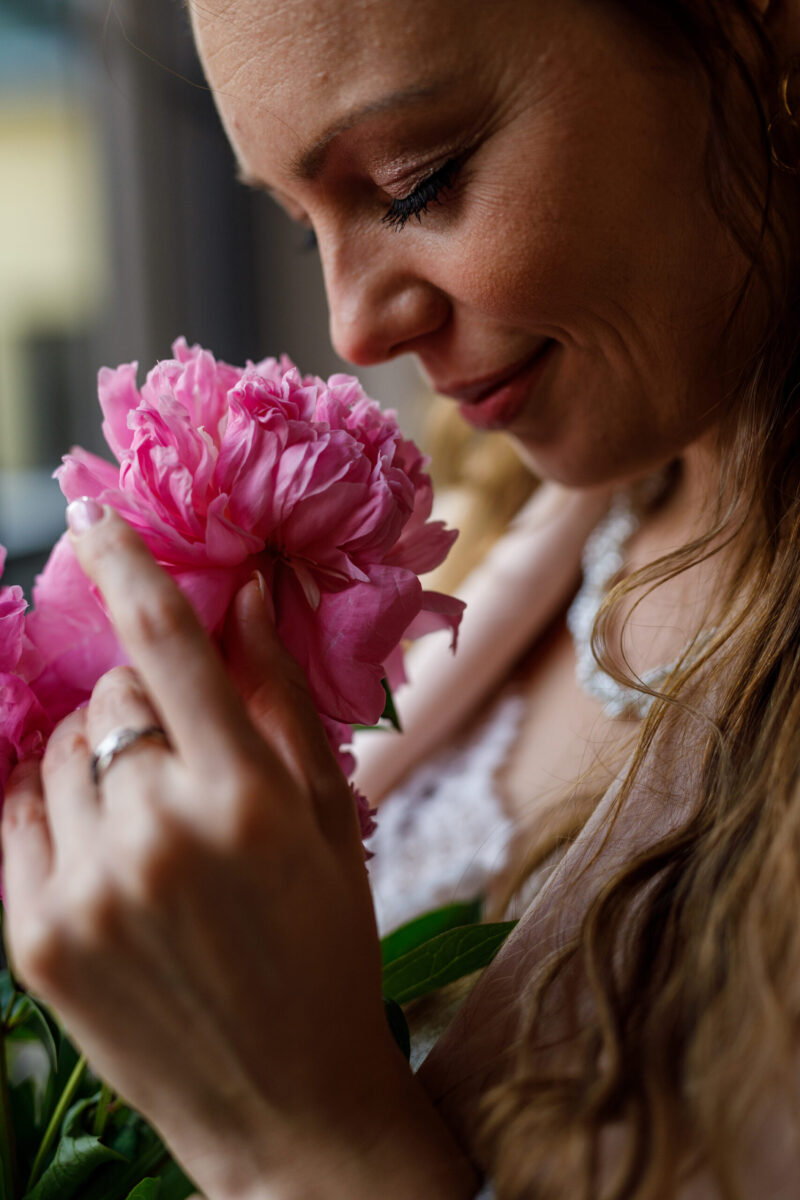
589 469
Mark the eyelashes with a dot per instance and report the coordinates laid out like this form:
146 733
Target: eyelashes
415 204
428 192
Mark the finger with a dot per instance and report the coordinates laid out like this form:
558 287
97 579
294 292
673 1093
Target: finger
120 702
179 667
69 793
281 707
27 845
274 687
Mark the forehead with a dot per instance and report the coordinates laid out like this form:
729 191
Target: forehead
299 60
316 37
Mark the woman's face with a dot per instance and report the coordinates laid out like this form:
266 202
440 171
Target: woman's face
511 190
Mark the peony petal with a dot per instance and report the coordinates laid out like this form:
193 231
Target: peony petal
366 817
84 474
340 737
343 645
438 612
69 628
226 544
24 725
12 624
395 668
248 458
203 385
210 593
118 397
423 548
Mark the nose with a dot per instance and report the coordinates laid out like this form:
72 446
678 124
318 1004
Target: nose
380 304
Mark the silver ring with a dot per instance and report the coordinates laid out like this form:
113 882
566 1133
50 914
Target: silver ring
117 742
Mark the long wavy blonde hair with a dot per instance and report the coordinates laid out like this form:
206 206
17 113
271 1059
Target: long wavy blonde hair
690 954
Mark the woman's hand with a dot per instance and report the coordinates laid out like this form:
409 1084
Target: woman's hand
202 919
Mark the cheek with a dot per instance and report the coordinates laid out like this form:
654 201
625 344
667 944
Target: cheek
587 217
532 264
632 273
604 418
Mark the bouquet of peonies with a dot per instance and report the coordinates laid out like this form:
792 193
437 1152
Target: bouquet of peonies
224 471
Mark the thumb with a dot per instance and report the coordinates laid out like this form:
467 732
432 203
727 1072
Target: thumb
273 685
253 652
280 705
249 634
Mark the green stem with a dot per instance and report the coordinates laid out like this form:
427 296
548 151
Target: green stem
101 1112
8 1158
54 1125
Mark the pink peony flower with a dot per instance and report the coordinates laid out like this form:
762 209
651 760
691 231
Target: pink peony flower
24 724
226 470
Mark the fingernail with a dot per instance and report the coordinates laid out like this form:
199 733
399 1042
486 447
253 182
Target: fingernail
266 598
83 513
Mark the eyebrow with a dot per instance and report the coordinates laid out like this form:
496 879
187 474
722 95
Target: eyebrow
308 165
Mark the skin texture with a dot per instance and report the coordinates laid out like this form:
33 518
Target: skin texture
579 214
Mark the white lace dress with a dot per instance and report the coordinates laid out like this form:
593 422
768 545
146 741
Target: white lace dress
442 834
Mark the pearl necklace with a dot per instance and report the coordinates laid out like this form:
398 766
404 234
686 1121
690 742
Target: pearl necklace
603 559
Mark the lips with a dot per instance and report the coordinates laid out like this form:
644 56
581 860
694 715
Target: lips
492 401
475 390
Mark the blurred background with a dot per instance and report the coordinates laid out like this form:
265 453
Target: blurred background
122 226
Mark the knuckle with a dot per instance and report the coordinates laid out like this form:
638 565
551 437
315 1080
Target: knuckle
116 683
153 620
67 740
22 807
108 536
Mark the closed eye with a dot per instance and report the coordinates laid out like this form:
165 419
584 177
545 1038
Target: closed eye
428 191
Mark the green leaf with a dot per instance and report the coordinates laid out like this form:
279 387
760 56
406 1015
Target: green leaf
174 1184
398 1025
138 1145
389 711
27 1014
149 1158
126 1139
148 1189
75 1160
423 928
443 959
